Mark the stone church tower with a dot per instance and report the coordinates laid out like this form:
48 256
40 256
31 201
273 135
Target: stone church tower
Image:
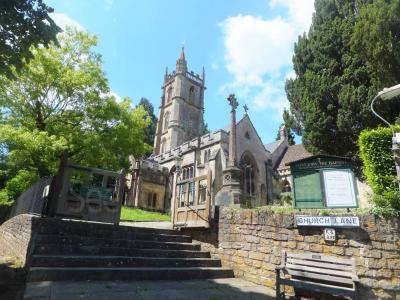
181 109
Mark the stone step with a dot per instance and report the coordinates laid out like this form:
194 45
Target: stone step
108 242
132 250
74 227
92 250
109 274
104 261
126 235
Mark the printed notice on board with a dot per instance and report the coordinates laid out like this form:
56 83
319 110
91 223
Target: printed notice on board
339 188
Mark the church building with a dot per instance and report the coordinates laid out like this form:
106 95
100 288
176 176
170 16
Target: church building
189 167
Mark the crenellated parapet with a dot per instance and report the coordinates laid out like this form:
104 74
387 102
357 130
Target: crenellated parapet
204 141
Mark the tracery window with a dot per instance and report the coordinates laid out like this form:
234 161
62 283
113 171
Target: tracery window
166 121
207 155
163 145
169 94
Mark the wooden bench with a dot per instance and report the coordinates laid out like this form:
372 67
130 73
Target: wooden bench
318 273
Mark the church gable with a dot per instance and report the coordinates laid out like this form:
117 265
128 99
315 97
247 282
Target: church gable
248 138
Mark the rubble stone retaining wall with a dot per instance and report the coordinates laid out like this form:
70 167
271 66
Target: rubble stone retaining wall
251 243
15 236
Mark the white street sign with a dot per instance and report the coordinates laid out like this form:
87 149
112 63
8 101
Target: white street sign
330 234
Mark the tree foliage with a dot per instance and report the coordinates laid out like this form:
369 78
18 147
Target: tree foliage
150 131
350 53
377 157
289 123
60 100
23 23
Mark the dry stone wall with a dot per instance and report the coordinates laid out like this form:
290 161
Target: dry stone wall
251 243
15 236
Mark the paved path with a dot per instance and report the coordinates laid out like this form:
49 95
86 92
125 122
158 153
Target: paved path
147 224
210 289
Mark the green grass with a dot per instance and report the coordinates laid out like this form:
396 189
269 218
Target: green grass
136 214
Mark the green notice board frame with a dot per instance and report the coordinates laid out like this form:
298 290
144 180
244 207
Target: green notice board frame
323 181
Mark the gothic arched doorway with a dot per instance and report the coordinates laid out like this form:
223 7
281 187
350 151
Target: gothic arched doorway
250 176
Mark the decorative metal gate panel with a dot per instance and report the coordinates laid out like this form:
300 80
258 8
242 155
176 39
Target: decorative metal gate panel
86 193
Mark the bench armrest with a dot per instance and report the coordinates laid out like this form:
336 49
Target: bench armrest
279 268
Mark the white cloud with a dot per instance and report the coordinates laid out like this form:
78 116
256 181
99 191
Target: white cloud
255 47
290 75
299 11
117 97
63 20
108 4
258 52
270 96
214 66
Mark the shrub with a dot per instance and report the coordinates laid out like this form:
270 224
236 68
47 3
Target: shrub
387 204
285 199
377 157
5 198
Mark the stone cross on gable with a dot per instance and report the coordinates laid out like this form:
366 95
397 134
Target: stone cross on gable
233 101
246 108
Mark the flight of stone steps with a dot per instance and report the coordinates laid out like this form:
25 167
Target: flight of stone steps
72 250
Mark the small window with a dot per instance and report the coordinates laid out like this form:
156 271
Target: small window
286 186
202 191
191 193
207 155
247 135
163 145
169 94
191 94
149 200
191 171
182 195
166 121
154 200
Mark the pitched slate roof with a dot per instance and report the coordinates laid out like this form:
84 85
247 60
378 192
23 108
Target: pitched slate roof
271 147
293 153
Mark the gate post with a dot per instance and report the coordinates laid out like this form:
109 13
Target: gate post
50 206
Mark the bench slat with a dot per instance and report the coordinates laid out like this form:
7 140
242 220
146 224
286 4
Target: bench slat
319 264
319 276
317 270
318 287
320 257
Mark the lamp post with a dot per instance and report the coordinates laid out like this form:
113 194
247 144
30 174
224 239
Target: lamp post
387 94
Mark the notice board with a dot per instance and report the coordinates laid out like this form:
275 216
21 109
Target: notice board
323 181
307 189
339 188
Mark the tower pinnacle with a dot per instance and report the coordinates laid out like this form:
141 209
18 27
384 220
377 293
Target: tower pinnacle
181 65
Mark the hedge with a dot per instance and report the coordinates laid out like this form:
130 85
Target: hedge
377 158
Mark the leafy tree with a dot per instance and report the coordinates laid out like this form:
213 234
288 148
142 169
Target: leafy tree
288 122
150 131
61 99
23 23
339 70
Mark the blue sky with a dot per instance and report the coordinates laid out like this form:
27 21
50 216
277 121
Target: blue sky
245 47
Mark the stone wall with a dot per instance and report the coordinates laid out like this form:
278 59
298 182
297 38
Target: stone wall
251 242
15 236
